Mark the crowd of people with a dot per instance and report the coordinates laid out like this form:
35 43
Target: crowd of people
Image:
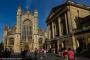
5 53
25 54
67 54
37 54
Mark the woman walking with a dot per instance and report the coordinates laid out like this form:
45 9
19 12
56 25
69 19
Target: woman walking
65 54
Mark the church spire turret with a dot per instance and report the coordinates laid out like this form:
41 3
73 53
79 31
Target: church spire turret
28 10
28 7
36 13
19 10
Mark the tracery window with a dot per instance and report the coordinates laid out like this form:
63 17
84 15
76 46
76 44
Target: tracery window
27 30
11 41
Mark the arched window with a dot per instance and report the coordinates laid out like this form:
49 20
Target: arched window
27 30
11 41
40 41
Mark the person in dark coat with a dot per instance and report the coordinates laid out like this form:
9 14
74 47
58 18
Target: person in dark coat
36 53
23 53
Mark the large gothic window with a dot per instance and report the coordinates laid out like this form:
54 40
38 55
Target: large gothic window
11 41
27 30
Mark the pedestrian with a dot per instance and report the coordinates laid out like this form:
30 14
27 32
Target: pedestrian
71 54
60 52
23 53
50 50
1 54
45 52
36 53
6 53
28 55
65 54
41 53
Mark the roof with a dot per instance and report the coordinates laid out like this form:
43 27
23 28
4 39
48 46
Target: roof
67 4
70 3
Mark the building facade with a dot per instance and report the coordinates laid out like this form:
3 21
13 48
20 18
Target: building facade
25 35
63 24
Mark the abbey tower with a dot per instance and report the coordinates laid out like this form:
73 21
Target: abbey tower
26 30
25 35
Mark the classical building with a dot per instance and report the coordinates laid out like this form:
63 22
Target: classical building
68 26
26 33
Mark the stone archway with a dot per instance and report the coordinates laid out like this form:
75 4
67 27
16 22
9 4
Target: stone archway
26 47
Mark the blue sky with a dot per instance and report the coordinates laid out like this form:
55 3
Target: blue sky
8 10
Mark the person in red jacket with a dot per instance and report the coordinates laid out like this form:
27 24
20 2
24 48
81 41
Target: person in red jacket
65 54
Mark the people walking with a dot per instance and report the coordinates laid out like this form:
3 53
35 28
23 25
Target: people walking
36 53
65 54
6 53
45 52
60 52
28 55
23 53
1 54
41 53
71 54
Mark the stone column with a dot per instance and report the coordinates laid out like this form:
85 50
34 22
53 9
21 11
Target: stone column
53 29
17 43
86 39
69 22
77 43
49 33
7 43
59 21
62 44
66 23
58 45
74 42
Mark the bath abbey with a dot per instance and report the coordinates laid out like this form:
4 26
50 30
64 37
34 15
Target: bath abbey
26 33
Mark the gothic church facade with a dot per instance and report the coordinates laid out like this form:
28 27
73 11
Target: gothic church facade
25 35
